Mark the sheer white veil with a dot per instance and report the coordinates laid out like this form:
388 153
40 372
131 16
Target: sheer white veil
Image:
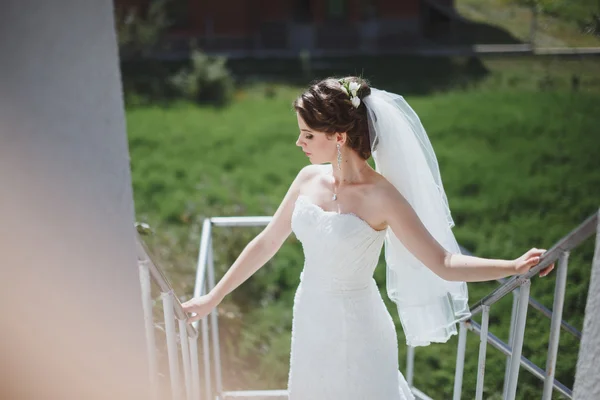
429 306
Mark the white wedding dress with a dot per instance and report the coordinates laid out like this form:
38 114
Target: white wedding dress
344 344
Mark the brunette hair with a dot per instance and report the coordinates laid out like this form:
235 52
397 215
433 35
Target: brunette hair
326 107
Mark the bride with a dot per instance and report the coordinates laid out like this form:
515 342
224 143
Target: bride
344 343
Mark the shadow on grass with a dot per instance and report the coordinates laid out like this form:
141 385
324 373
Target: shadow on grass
466 32
410 75
147 82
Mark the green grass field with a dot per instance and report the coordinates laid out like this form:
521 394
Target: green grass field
520 161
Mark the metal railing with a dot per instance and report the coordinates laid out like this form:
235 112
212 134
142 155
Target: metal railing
518 285
172 310
205 281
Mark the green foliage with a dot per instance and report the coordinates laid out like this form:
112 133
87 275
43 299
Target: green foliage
526 3
206 80
585 13
139 33
520 167
559 23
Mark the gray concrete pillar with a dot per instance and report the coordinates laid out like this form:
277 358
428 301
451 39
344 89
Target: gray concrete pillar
587 377
71 323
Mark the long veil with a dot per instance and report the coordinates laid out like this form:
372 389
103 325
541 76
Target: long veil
429 306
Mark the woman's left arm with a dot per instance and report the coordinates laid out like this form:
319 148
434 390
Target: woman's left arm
409 229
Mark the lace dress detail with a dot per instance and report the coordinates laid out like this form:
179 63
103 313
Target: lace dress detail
344 344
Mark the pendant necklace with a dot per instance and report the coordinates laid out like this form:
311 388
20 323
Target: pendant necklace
334 198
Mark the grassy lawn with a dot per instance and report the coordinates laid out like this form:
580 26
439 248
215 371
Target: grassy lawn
519 153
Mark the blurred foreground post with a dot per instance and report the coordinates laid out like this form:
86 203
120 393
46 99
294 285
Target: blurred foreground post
72 323
587 379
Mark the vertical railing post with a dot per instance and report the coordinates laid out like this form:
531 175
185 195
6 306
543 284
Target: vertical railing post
483 338
410 365
206 358
149 325
200 290
513 316
557 310
169 312
460 360
519 334
193 342
214 322
185 356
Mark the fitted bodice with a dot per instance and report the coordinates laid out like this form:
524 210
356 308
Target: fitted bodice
344 343
341 250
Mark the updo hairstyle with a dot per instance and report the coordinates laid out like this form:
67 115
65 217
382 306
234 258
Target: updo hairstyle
326 107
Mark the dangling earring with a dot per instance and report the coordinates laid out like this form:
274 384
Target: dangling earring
339 157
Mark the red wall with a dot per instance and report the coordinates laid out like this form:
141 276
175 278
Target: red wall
235 17
395 9
242 17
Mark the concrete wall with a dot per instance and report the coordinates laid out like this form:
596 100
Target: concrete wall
587 378
71 323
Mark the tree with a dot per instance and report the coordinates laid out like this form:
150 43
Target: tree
585 13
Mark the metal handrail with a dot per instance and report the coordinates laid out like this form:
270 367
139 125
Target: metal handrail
205 270
563 324
205 282
525 362
567 243
537 305
521 299
161 280
173 311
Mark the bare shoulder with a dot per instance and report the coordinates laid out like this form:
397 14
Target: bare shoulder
280 227
385 196
308 175
310 171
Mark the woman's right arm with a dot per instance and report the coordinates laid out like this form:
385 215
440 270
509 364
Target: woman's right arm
256 253
409 229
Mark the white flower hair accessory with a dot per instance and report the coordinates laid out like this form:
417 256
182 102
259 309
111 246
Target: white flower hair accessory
351 88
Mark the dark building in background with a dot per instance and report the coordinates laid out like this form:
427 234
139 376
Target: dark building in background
320 26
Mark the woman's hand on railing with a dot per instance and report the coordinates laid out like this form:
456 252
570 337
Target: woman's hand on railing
201 306
529 260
